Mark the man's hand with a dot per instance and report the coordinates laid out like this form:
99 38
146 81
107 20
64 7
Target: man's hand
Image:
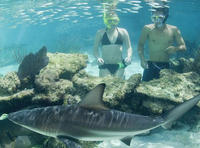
100 61
170 49
128 60
144 64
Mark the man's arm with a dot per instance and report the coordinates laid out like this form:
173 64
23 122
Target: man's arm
179 39
127 44
141 44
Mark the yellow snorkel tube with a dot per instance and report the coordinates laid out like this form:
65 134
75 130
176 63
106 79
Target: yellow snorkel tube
110 18
111 21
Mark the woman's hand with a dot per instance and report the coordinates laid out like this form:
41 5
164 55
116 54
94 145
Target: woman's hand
100 61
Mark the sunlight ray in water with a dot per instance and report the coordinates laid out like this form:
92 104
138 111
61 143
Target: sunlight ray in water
31 12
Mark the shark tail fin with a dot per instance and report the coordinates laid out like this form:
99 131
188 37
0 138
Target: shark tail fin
180 110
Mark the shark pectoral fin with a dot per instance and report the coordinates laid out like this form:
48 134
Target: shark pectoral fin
69 142
127 140
93 99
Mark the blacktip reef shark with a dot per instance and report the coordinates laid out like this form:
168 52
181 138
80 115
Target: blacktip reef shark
92 121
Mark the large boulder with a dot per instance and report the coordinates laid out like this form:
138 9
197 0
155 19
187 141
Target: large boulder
54 143
172 88
182 65
54 93
117 90
9 84
16 101
66 65
53 84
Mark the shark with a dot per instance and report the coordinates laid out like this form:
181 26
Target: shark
91 120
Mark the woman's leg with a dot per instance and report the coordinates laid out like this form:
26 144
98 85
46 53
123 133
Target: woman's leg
104 72
120 73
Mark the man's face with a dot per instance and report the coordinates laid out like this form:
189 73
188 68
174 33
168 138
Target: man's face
158 18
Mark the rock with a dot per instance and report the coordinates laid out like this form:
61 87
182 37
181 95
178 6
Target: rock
182 65
9 84
196 66
66 65
84 83
70 99
32 64
54 92
116 89
54 143
22 142
63 81
53 84
16 101
172 88
11 135
45 79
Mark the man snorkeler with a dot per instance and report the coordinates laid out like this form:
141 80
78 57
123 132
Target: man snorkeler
108 47
163 40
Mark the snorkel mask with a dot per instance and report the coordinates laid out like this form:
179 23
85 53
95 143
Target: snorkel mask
158 20
159 15
111 20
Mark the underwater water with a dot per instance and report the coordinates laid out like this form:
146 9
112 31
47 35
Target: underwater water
70 26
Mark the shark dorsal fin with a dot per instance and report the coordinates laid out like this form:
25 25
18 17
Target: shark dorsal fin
93 99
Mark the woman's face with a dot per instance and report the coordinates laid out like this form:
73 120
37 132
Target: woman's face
111 22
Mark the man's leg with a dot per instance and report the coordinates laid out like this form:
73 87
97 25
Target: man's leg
148 74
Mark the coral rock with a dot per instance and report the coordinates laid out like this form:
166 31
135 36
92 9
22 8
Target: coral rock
172 88
9 84
16 101
116 89
66 64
